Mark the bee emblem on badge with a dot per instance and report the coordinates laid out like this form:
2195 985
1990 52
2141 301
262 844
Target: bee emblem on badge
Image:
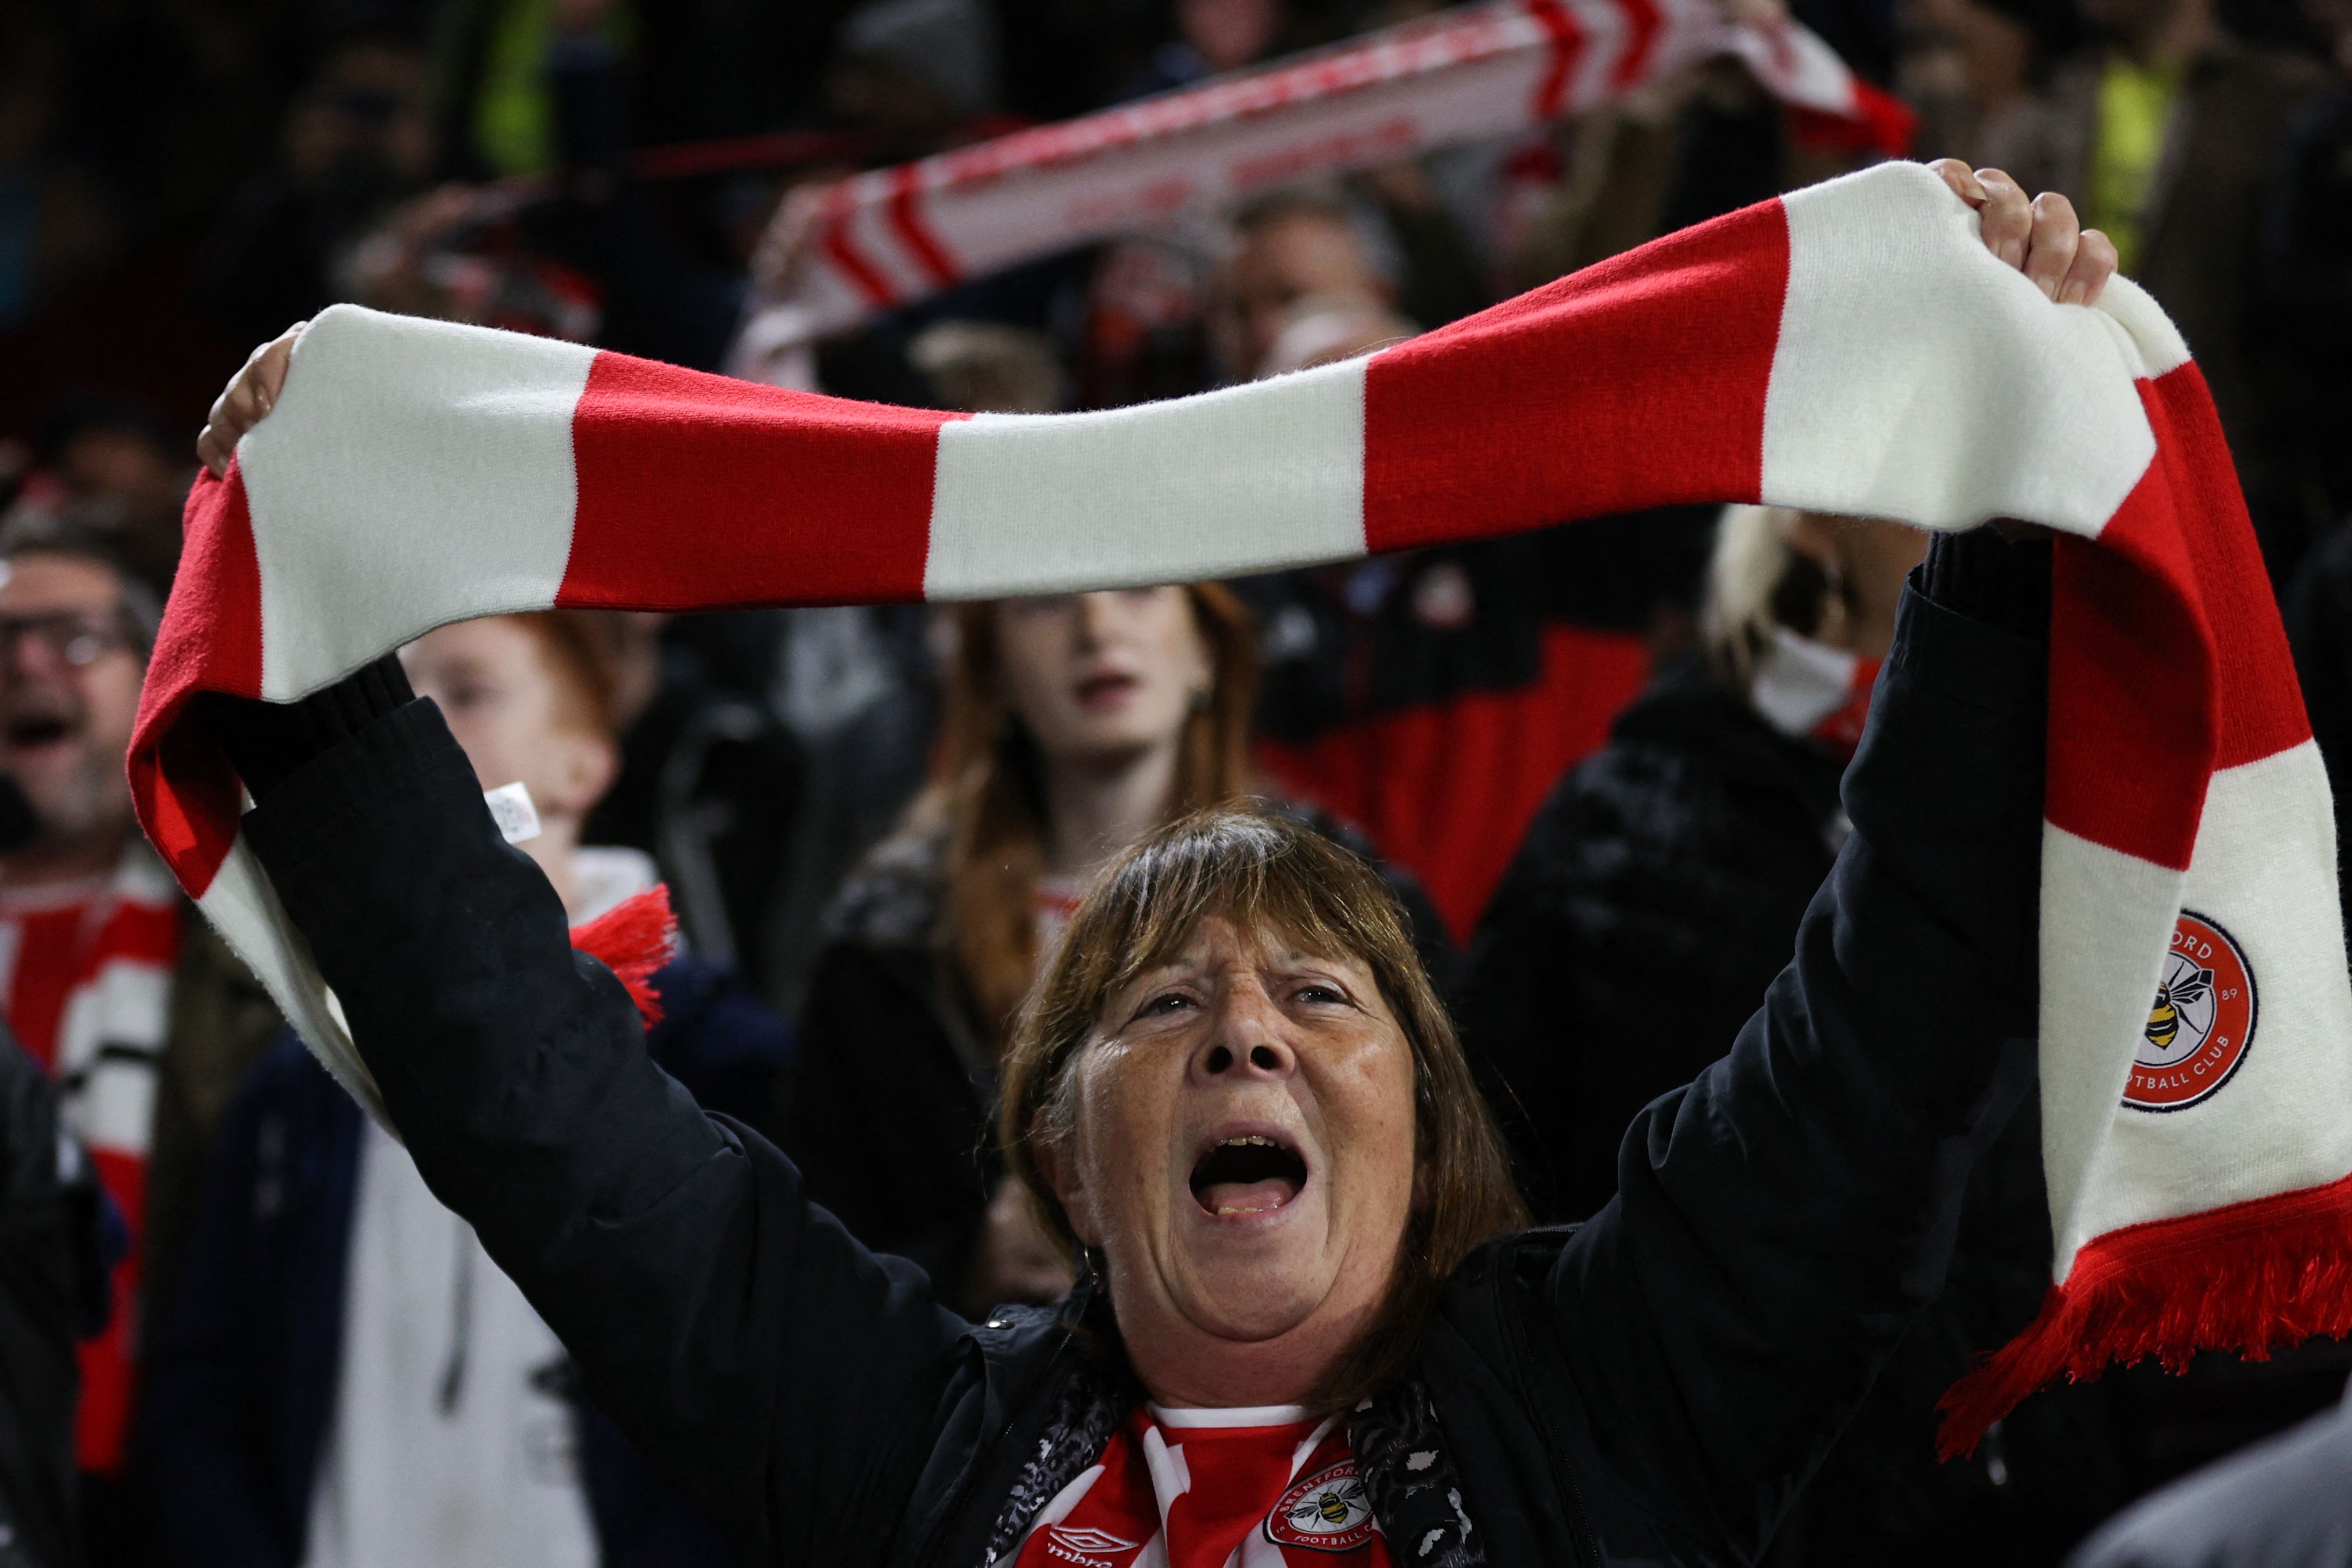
1331 1506
1327 1511
2199 1023
2173 994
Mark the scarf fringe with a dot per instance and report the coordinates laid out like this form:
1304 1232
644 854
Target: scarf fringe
633 939
2254 1278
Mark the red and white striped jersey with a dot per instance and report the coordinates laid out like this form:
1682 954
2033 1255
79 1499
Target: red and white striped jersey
1272 1486
86 983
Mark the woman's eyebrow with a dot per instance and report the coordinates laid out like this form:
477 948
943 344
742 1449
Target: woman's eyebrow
1164 971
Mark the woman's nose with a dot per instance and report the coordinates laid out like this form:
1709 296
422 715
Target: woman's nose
1095 612
1246 1043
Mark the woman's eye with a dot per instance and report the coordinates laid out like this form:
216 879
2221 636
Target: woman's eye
1161 1006
1320 993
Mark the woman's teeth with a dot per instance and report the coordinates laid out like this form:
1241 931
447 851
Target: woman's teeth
1250 1173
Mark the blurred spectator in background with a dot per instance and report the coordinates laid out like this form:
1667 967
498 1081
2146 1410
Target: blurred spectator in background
1074 724
53 1292
1653 901
2306 283
1970 64
1660 885
1213 36
913 72
1287 247
1433 697
814 726
1312 248
358 138
1317 331
343 1375
496 99
56 225
134 1007
2166 134
122 456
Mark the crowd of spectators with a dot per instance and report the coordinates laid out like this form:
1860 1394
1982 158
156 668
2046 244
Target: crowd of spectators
1599 766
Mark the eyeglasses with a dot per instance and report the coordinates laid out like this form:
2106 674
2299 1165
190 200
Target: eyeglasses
73 637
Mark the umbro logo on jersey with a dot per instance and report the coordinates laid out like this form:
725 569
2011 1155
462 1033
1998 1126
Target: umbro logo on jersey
1087 1547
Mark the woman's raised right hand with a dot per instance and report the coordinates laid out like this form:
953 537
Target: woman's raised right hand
251 393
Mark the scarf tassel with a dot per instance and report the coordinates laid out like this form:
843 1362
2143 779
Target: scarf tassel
2252 1278
634 938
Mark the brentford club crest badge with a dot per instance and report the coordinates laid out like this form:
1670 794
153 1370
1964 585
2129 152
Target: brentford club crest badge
2202 1023
1327 1511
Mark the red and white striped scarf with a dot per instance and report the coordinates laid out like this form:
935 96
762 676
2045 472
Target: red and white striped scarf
1849 349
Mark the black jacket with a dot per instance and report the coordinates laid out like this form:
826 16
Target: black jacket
1653 901
1653 1388
53 1290
889 1111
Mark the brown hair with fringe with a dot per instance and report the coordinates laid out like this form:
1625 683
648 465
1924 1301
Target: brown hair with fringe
1267 873
580 654
988 787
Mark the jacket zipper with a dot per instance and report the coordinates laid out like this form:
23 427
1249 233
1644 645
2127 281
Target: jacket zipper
945 1531
1588 1553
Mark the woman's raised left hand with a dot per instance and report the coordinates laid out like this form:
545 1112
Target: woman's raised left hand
249 396
2041 237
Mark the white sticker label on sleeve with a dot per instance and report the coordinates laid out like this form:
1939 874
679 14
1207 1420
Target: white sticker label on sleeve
510 808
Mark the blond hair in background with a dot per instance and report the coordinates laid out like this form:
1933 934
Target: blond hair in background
1754 550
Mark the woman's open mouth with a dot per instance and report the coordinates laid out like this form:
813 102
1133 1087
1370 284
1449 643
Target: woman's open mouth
1098 691
1249 1172
36 731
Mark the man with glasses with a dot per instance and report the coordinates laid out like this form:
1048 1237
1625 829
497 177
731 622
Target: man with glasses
134 1008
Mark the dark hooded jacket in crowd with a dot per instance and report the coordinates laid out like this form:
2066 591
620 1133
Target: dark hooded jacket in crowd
1651 901
1653 1388
53 1292
888 1105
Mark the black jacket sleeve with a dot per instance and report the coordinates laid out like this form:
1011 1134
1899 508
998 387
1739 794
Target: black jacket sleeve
768 1365
1780 1220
